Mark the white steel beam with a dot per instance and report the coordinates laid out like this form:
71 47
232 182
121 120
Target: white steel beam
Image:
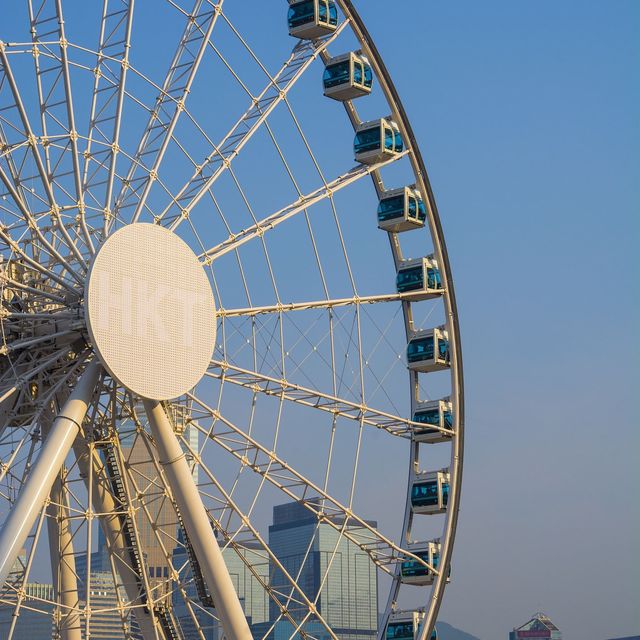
44 471
284 307
260 107
63 562
197 524
167 109
287 390
301 204
385 553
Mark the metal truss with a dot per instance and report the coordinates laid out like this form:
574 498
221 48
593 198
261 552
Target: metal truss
168 108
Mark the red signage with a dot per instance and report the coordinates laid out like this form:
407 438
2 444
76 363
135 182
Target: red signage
545 633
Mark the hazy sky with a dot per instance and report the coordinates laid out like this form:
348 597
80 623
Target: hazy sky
528 115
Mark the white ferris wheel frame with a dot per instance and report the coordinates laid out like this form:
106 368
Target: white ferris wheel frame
75 244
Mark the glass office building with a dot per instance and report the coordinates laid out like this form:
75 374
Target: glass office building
35 619
248 567
329 568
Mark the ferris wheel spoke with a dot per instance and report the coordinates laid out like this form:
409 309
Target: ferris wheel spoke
261 106
35 295
54 211
285 307
35 265
168 108
300 205
73 133
56 108
108 98
13 406
15 166
42 279
383 552
258 382
32 223
17 345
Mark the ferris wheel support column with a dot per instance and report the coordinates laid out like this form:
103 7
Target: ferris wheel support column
63 563
44 471
197 524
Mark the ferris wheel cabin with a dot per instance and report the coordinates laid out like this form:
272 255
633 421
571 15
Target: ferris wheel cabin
430 492
429 350
401 210
419 279
404 625
436 413
311 19
347 77
415 571
377 140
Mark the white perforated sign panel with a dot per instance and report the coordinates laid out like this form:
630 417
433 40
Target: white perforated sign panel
150 311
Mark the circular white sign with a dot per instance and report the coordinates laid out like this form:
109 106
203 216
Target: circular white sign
150 311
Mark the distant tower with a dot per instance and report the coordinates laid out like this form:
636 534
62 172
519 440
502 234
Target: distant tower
332 570
539 627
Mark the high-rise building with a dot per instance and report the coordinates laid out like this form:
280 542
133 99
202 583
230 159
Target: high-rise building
332 571
34 620
539 627
248 566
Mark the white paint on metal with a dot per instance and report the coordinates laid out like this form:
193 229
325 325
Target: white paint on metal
42 475
150 311
197 524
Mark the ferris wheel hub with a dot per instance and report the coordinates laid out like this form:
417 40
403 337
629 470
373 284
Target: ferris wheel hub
150 311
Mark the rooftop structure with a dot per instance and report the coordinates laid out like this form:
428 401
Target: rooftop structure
540 626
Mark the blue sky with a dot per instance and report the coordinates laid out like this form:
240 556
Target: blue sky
528 118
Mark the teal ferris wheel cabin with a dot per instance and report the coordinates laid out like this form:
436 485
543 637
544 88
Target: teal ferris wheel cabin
401 210
347 77
419 279
311 19
377 141
404 625
430 492
416 571
428 350
435 413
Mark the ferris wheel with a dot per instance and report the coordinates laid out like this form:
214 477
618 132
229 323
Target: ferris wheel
212 317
